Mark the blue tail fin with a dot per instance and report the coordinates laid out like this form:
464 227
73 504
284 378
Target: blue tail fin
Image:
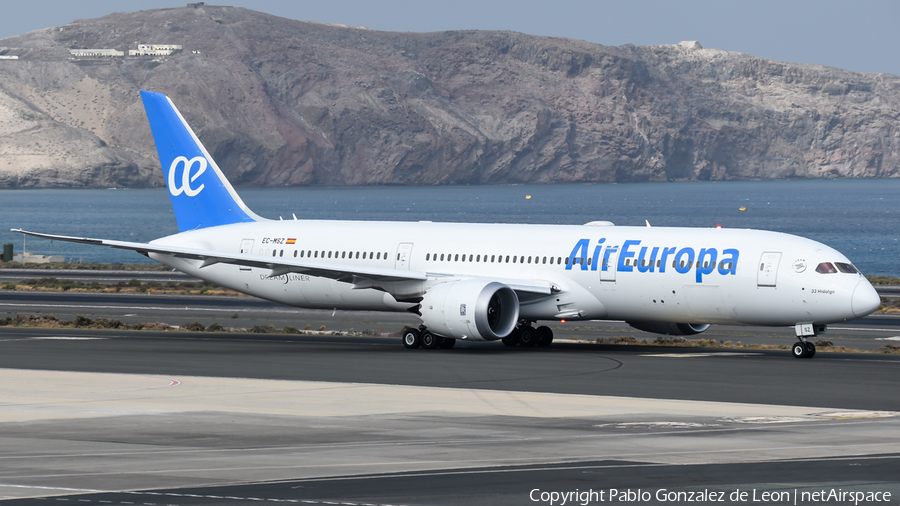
201 196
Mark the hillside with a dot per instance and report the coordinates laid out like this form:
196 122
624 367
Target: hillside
283 102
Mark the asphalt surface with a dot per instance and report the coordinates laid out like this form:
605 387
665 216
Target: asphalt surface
138 452
245 312
834 380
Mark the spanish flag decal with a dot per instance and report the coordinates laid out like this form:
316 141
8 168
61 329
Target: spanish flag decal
291 241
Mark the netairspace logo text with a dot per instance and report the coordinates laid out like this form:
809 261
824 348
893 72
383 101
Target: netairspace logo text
794 497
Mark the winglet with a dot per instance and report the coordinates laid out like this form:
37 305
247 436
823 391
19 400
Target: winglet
201 195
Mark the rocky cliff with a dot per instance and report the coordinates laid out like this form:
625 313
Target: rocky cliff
283 102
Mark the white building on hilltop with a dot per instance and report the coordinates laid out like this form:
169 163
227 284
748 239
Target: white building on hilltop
96 52
154 50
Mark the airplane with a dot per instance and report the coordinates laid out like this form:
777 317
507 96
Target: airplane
488 282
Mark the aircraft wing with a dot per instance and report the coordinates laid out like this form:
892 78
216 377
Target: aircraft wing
359 275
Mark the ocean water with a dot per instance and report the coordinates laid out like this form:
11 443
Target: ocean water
860 218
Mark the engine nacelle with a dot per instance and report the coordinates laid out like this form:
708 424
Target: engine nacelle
472 309
670 329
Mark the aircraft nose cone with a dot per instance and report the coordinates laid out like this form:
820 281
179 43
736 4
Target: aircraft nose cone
865 299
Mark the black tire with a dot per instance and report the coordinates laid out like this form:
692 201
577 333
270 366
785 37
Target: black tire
810 350
430 340
799 350
528 337
447 343
512 339
412 339
545 335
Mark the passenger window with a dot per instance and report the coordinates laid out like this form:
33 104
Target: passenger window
507 258
493 257
378 257
464 258
551 260
581 262
295 253
567 260
514 259
357 254
329 254
545 259
558 260
589 261
470 258
385 255
343 254
274 252
428 256
825 268
456 259
398 255
846 268
478 258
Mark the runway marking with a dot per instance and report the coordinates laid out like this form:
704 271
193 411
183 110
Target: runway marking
236 498
65 338
710 354
895 338
862 328
663 425
62 489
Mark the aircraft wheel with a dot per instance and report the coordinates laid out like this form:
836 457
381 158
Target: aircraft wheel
799 350
412 338
810 350
447 343
512 339
545 335
430 341
528 336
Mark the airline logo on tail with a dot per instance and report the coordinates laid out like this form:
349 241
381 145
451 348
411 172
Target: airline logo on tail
201 196
186 177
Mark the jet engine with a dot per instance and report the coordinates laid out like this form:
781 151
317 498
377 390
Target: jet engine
472 309
670 329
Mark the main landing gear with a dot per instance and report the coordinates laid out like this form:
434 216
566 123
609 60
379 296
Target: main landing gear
524 335
424 338
804 348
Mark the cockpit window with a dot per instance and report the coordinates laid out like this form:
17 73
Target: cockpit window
825 268
846 268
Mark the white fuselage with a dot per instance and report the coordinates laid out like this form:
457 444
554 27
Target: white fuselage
683 275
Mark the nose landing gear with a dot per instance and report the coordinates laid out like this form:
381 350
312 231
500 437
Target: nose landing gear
804 348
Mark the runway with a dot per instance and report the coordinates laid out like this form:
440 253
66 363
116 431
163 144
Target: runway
110 417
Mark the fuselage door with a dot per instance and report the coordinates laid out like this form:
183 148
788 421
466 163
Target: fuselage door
608 264
403 253
768 268
246 249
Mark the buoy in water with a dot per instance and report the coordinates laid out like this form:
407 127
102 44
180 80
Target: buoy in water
742 209
527 197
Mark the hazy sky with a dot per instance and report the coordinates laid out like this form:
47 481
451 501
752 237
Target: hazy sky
863 35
